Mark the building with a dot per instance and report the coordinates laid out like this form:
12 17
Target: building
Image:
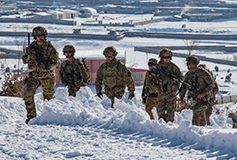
88 12
70 13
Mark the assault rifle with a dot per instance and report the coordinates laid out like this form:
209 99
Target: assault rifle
68 82
167 73
39 55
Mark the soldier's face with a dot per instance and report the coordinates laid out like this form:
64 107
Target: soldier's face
40 38
109 58
189 65
166 59
68 54
150 66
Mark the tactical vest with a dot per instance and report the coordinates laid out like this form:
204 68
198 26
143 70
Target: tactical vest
112 76
164 84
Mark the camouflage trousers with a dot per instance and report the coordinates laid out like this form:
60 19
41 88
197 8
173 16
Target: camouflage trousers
199 113
73 91
117 92
166 106
150 103
48 86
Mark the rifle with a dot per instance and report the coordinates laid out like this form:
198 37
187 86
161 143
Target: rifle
67 81
39 55
167 73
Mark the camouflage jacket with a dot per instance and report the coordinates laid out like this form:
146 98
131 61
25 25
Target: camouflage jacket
75 72
164 84
151 92
200 81
114 75
49 56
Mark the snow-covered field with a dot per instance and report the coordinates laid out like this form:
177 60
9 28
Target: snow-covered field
85 127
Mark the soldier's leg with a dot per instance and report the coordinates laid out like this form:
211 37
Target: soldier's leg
48 86
161 106
208 114
150 103
199 114
74 91
31 87
171 105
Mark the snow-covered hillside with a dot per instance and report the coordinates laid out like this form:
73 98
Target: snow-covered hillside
86 127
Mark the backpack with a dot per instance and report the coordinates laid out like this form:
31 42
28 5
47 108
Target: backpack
87 79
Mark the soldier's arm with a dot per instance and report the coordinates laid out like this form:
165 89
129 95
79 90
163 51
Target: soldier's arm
99 79
61 75
29 56
54 60
183 89
82 71
178 72
129 80
144 85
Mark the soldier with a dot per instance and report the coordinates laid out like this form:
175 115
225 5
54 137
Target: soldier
115 76
42 59
198 82
213 93
151 99
165 79
72 71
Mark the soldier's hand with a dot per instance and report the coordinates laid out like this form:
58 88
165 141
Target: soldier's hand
131 95
31 57
100 95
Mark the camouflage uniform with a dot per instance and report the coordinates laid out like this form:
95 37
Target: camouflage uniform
213 93
75 72
39 76
165 86
151 98
200 82
115 77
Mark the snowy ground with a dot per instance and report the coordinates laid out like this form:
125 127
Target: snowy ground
86 127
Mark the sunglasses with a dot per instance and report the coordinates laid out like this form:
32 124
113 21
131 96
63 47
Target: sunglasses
165 57
108 56
39 35
188 64
150 64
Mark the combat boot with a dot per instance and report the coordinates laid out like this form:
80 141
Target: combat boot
28 119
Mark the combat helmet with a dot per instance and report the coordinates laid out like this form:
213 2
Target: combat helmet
152 61
69 49
110 51
38 31
193 60
165 53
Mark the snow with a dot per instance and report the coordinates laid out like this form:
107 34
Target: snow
85 127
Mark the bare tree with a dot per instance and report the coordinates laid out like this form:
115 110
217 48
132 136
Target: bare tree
192 44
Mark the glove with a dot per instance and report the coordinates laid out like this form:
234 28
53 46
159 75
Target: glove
100 95
131 95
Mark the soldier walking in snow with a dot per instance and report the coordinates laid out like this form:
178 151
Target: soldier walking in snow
72 71
150 97
213 93
115 76
164 79
199 83
42 59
